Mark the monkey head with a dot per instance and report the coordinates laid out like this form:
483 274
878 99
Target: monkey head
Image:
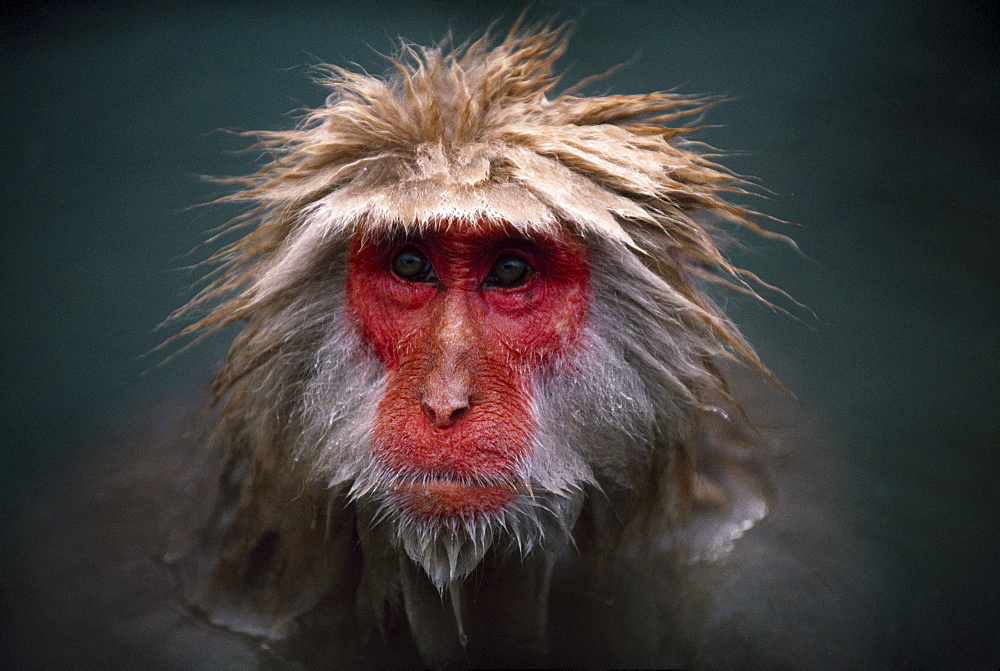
473 310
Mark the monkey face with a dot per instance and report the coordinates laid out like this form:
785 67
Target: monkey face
463 320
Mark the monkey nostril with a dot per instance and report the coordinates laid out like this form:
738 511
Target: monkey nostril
443 415
429 411
458 414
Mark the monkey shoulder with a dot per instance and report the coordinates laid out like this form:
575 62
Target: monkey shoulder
100 560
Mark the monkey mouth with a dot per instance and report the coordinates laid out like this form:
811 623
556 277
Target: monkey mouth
452 500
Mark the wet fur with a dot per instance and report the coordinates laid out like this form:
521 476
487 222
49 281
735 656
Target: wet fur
643 478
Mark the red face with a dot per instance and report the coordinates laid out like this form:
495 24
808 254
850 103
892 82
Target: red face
463 321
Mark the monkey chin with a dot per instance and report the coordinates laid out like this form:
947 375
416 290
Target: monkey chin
448 526
447 501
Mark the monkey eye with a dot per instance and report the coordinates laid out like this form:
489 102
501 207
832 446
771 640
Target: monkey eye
411 265
509 271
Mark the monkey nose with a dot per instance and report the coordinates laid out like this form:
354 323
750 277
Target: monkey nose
444 410
446 395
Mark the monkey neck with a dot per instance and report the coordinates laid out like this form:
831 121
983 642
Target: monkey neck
501 610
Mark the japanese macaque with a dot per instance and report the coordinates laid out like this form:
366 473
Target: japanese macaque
478 411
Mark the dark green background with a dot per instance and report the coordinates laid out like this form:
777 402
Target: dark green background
874 124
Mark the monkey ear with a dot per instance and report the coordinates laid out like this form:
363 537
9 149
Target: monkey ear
731 490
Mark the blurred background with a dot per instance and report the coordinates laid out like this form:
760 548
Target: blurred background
873 126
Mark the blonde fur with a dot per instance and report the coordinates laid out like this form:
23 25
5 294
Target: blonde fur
466 137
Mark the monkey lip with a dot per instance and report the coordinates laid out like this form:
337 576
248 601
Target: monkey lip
448 499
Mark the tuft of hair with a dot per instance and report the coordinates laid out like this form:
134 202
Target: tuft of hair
470 135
